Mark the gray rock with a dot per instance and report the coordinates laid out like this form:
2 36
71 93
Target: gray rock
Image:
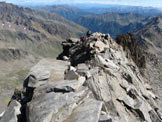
71 75
154 117
53 106
159 114
61 86
45 107
89 111
2 114
107 118
106 62
12 112
104 86
73 40
46 70
143 110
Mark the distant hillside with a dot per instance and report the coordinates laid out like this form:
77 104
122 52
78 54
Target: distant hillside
31 30
26 36
145 11
66 11
150 36
113 23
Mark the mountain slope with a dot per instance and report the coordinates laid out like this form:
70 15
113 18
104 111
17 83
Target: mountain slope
150 36
26 36
66 11
113 23
24 27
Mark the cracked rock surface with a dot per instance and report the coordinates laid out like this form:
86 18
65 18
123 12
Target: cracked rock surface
95 80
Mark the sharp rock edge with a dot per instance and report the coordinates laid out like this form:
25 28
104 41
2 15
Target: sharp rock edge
96 80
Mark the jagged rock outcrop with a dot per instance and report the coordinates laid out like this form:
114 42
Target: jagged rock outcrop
129 44
97 82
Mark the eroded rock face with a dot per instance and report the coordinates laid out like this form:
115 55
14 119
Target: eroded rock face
129 44
98 83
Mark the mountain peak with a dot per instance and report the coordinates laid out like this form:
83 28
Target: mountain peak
97 82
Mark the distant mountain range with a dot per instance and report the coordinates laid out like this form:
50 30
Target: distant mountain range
78 10
32 30
145 11
113 23
47 27
66 11
150 35
109 19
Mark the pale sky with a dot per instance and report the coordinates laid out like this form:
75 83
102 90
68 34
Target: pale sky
152 3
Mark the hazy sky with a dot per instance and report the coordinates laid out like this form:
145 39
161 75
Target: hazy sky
153 3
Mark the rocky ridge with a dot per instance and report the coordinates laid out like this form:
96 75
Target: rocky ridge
96 81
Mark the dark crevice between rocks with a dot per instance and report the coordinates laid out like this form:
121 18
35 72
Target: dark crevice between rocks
154 117
132 93
136 112
23 96
110 120
66 89
28 95
128 78
140 114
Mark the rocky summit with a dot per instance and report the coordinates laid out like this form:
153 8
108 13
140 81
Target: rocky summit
94 80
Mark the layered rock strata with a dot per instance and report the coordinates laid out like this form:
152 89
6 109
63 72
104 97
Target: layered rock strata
96 82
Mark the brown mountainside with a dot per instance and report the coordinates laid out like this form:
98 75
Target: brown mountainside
26 36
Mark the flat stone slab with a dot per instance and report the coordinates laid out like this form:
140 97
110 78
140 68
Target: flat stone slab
45 106
46 69
89 111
